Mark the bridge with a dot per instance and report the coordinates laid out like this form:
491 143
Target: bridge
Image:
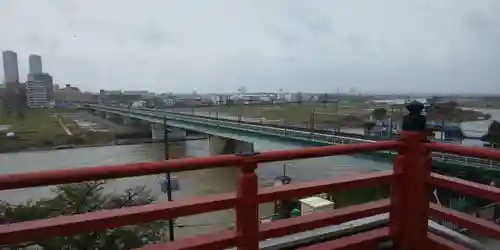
244 133
408 206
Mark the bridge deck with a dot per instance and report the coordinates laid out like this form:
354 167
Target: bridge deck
251 132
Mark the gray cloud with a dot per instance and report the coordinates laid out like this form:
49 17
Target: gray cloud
219 45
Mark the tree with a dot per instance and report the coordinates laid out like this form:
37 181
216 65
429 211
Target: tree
493 135
442 108
82 198
433 100
379 113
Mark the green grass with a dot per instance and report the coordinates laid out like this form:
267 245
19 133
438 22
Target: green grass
328 114
38 127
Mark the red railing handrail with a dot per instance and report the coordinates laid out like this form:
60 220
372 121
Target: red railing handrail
477 225
469 151
64 176
95 221
409 205
465 187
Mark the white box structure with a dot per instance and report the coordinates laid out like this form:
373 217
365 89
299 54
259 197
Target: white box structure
315 204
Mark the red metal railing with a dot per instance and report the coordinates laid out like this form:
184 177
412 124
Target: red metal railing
409 205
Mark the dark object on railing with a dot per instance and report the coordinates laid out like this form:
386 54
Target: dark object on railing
414 121
246 153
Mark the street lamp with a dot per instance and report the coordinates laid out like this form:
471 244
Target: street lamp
168 177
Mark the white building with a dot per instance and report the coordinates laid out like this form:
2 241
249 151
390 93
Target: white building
253 98
138 104
220 99
47 81
35 63
10 68
36 94
293 97
283 96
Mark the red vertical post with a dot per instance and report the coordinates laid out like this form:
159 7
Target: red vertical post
408 221
247 214
410 193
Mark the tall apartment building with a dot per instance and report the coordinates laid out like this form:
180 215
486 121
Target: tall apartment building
36 94
12 93
10 68
35 63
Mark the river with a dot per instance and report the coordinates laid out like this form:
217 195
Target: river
192 183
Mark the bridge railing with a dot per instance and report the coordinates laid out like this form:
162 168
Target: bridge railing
334 138
303 134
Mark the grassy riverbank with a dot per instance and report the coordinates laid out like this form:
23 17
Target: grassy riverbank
347 114
43 129
36 128
344 114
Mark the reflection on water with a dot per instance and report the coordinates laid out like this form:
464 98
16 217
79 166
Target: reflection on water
192 183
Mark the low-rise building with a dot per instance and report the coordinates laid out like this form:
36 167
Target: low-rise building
220 99
254 98
69 94
126 97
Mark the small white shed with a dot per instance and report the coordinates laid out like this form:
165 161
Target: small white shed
314 204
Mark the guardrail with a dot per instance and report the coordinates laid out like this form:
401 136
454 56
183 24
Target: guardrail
408 206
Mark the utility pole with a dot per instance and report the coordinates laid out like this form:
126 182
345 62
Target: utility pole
312 120
390 125
168 177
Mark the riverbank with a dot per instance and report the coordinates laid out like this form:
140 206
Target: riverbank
120 142
344 114
34 128
52 128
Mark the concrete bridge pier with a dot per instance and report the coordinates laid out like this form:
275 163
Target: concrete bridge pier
158 132
100 113
114 118
131 121
220 146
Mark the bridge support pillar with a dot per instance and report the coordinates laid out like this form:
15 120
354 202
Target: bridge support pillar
100 113
176 134
131 121
114 118
220 146
158 133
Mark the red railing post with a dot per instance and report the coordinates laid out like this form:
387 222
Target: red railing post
247 213
410 193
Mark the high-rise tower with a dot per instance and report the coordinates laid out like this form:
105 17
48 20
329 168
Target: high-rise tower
35 62
10 68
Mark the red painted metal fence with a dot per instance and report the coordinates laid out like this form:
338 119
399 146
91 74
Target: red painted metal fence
409 205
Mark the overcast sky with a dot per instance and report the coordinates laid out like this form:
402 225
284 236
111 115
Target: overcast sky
447 46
